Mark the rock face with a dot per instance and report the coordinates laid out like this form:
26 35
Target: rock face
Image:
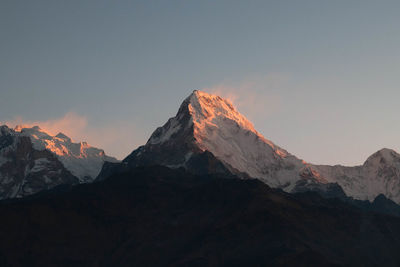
208 135
32 160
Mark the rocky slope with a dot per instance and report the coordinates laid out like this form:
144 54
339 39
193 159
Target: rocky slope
32 160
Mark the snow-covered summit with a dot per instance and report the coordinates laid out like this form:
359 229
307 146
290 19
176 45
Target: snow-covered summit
207 122
380 174
32 160
211 111
82 160
231 137
384 156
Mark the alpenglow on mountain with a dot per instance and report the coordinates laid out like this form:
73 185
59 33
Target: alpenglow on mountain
208 135
32 160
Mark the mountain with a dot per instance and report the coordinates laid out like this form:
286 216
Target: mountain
380 174
208 135
32 160
208 126
156 216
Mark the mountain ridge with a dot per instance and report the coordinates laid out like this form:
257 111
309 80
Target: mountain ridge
32 160
206 122
157 216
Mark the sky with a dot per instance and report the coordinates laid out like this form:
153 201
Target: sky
318 78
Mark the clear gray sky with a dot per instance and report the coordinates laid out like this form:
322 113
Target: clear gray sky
319 78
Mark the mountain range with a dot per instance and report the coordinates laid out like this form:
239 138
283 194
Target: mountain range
206 189
208 135
32 160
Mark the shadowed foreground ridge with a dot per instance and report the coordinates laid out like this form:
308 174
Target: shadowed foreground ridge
156 216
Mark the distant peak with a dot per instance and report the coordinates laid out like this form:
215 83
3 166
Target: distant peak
382 156
386 153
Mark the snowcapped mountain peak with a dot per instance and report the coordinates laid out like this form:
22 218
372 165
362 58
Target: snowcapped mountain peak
82 160
217 122
207 107
384 156
380 174
209 123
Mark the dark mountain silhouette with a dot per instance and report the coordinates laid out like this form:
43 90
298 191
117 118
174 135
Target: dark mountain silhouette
156 216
